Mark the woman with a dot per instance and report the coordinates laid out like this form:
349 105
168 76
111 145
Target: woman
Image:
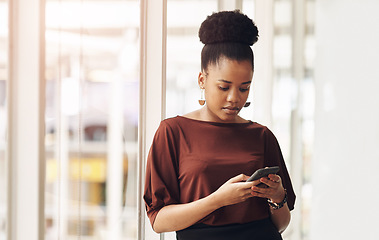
199 163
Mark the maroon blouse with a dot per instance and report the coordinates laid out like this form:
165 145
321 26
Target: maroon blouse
189 159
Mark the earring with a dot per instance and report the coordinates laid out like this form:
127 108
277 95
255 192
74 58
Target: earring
247 104
202 98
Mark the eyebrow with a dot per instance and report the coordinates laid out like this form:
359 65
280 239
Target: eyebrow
225 81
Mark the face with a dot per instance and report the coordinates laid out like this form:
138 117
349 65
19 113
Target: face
227 86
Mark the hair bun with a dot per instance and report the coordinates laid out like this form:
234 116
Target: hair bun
228 26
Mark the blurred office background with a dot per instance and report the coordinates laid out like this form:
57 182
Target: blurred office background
84 84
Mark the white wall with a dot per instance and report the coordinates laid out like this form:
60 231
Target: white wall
346 158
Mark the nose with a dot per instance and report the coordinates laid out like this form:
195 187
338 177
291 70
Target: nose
233 96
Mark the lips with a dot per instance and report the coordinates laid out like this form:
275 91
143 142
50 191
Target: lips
231 109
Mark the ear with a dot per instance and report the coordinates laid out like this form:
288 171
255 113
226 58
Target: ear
201 79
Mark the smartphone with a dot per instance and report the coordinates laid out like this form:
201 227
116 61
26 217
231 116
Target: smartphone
263 172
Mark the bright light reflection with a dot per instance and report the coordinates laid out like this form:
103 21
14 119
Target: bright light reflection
70 96
92 14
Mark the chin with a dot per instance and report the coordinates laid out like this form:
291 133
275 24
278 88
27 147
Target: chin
228 118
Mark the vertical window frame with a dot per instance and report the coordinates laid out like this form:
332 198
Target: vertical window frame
153 33
25 139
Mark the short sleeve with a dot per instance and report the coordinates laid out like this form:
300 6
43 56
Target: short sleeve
161 182
274 157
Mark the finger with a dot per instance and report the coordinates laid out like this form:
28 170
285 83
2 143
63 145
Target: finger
258 192
268 182
244 177
275 178
238 178
267 192
247 195
256 182
272 180
257 189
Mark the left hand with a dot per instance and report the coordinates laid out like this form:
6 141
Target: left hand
273 190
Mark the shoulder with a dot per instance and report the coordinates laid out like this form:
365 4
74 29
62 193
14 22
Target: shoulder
268 136
167 125
166 131
172 124
265 131
260 127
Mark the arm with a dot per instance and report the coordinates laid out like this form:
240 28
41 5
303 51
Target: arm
179 216
281 217
275 191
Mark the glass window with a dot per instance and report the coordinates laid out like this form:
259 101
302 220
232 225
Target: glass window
284 87
293 100
92 102
3 114
308 112
183 53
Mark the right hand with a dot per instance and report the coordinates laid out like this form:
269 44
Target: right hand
235 190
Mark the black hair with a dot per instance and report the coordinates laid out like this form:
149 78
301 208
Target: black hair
227 34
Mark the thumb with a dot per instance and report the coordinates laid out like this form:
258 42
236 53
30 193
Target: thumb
239 178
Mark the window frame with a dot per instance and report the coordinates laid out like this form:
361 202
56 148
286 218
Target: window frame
25 139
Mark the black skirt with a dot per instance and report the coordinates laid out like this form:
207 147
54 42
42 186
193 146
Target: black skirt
257 230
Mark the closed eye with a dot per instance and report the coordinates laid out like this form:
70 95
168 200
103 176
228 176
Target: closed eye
245 89
227 88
